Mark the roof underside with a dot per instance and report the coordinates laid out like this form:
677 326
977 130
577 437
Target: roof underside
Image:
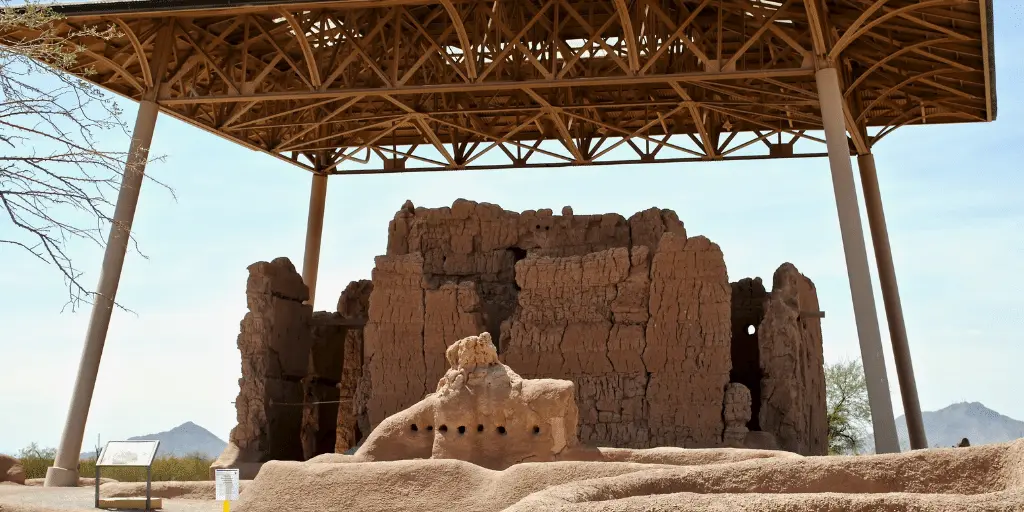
437 84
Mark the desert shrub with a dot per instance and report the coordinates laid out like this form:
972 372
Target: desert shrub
187 468
847 406
36 460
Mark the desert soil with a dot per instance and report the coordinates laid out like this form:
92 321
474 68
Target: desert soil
983 478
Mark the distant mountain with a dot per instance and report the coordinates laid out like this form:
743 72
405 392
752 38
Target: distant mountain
185 439
946 427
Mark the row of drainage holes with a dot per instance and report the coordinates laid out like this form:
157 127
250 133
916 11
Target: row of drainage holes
462 429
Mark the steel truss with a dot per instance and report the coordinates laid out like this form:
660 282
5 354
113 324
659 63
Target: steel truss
392 86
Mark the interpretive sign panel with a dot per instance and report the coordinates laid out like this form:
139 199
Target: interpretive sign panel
128 453
138 454
227 484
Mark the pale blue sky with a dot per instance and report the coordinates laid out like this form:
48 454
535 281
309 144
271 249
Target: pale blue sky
952 198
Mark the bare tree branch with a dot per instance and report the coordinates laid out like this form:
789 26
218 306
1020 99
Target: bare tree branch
56 177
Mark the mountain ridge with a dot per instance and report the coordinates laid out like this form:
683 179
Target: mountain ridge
185 439
944 428
947 426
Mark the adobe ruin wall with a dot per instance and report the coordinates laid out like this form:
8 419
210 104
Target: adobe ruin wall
662 348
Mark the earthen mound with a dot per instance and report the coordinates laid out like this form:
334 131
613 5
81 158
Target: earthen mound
198 490
985 478
82 481
482 412
11 470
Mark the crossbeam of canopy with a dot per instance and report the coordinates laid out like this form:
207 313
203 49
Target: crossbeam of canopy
418 85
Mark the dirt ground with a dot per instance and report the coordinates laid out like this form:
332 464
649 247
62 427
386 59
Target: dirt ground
177 496
977 479
986 478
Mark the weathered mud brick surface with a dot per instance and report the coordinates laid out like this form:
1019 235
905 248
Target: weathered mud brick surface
736 415
393 336
353 308
449 311
468 283
688 342
320 385
275 344
662 349
793 382
749 299
564 327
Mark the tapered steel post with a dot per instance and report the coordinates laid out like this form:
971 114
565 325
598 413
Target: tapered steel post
891 300
314 233
64 472
857 267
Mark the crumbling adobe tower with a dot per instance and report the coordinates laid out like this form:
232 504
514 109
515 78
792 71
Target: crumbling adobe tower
663 350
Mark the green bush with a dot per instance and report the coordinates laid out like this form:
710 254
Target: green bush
36 460
188 468
848 409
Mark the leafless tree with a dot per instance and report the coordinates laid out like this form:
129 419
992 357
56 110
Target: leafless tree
56 176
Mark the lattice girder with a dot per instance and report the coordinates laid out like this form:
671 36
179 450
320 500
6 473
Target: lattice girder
439 84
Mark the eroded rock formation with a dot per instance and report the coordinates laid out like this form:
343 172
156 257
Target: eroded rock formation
662 349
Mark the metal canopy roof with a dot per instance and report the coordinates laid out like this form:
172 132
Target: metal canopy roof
420 85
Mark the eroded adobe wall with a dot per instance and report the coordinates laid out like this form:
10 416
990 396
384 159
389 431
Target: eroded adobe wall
573 293
748 302
275 343
353 309
645 339
330 416
320 385
792 364
300 369
688 340
566 327
393 337
480 243
330 421
473 246
640 317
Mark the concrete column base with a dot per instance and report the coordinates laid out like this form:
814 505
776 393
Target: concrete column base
60 477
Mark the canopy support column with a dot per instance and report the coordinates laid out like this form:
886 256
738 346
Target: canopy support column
891 300
64 472
857 267
314 233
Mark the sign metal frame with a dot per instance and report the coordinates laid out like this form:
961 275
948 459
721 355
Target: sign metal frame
148 464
